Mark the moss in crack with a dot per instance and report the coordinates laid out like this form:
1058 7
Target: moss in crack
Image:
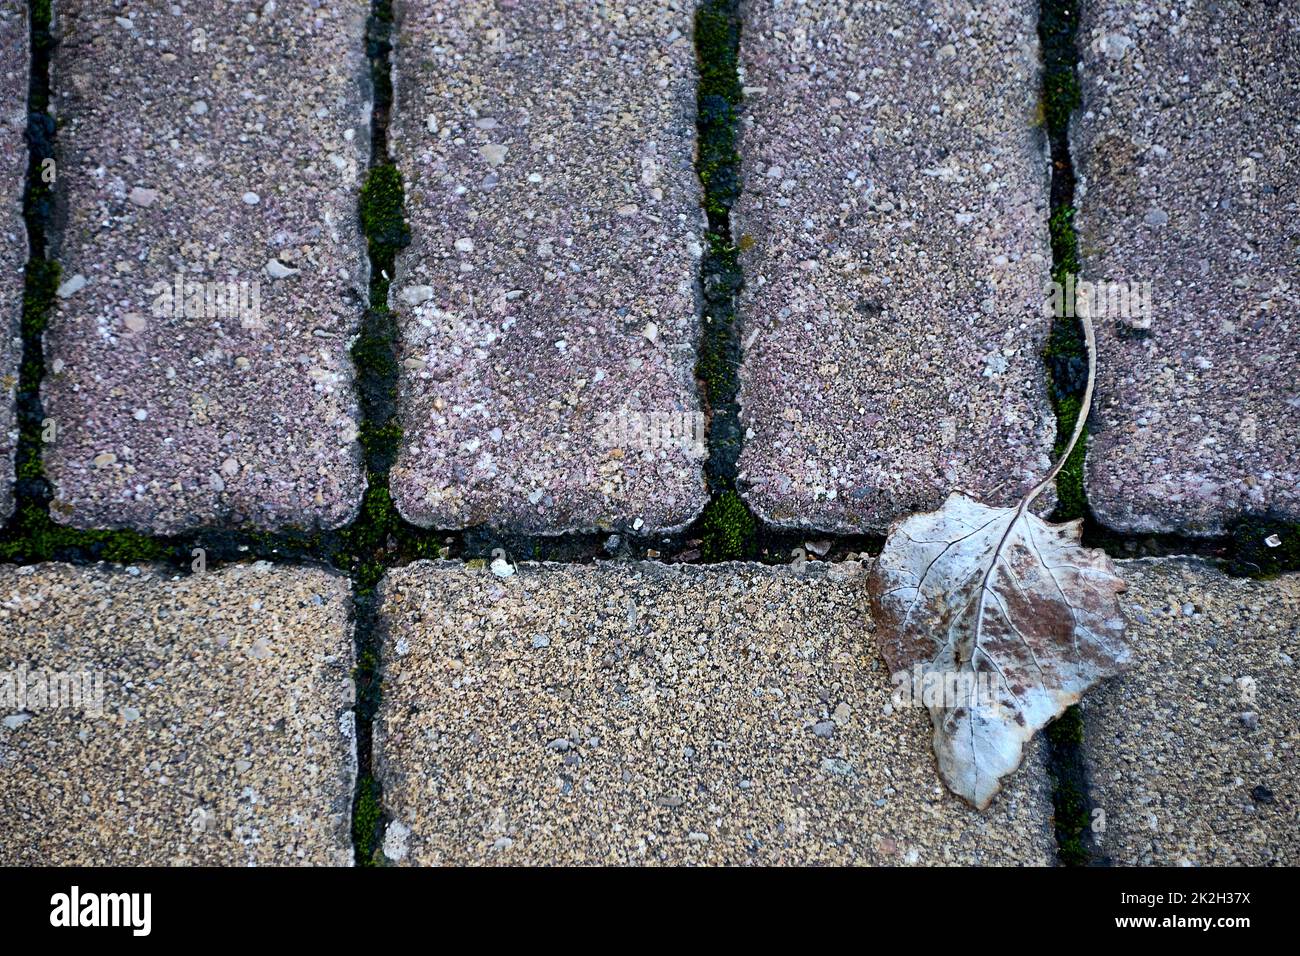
716 363
33 537
1066 355
1065 244
1071 808
1070 816
1264 547
373 356
367 821
40 282
1071 497
718 360
379 534
380 538
717 37
1061 96
382 220
730 531
379 28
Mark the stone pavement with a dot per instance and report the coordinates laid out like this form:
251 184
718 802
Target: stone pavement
14 76
548 300
1193 754
218 147
642 713
895 215
893 233
1187 151
624 713
204 720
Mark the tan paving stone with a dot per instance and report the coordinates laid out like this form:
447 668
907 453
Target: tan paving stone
1193 754
642 713
152 720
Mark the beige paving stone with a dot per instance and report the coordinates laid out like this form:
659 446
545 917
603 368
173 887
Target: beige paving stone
644 714
160 721
1193 755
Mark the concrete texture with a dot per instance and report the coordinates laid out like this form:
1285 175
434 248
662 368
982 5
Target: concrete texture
1193 754
548 303
641 713
15 61
1189 163
894 218
223 143
225 734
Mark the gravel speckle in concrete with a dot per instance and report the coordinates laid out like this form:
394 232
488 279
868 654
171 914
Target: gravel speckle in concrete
223 732
548 153
165 129
730 714
1181 748
1187 149
895 214
14 72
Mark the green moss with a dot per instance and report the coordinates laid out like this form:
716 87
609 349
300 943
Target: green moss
42 40
1067 362
718 353
365 541
1071 814
1065 244
1061 97
719 95
33 536
1072 501
1067 730
379 28
718 361
1254 556
1058 25
367 821
730 531
376 438
382 220
40 282
373 350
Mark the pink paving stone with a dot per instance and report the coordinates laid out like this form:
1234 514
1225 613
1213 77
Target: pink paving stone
1189 163
14 73
895 220
223 143
548 302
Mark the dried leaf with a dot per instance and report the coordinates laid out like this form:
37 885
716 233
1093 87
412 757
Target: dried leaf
1011 602
1000 620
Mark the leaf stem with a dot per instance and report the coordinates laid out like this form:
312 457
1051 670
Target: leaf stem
1090 343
